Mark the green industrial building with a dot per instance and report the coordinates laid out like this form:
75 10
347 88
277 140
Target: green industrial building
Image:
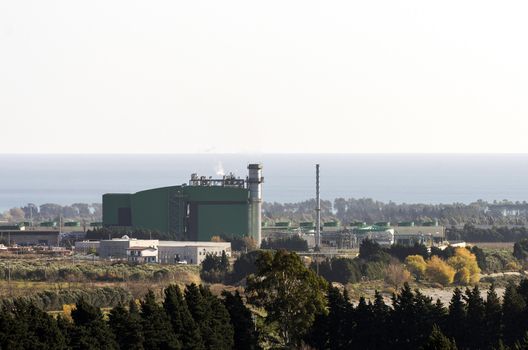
194 212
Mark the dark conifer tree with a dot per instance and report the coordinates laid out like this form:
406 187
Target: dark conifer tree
126 326
245 335
380 322
90 330
493 319
182 322
362 317
439 314
475 318
218 331
513 308
438 341
156 326
407 327
456 319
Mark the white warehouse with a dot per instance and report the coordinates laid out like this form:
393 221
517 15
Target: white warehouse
172 252
145 250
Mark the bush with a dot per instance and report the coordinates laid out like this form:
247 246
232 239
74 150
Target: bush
295 243
396 275
463 276
416 265
464 259
438 271
520 249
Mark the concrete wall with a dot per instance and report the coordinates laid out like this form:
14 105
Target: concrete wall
48 238
116 248
169 252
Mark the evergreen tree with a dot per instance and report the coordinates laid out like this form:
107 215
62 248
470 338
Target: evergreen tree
245 336
218 332
513 308
182 322
156 325
380 322
493 318
24 326
475 318
456 319
126 326
90 330
291 294
438 341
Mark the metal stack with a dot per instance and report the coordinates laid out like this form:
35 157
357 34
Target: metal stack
317 210
254 183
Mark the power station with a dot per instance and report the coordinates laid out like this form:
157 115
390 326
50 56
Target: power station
197 211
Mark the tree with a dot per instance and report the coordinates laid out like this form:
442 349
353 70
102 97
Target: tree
245 336
475 317
396 275
126 326
218 331
416 265
438 341
182 322
465 260
513 308
440 272
493 318
156 325
291 294
211 317
456 319
520 249
17 214
90 331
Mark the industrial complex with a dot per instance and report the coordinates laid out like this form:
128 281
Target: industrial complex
196 211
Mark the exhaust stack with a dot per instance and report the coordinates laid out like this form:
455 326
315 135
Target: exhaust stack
317 210
254 182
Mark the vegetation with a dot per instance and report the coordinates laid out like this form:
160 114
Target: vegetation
416 322
295 244
285 305
471 233
215 268
369 210
197 321
65 271
291 294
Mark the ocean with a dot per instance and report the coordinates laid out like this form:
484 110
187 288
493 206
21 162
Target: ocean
410 178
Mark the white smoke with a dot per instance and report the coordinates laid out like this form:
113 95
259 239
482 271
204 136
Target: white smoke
219 169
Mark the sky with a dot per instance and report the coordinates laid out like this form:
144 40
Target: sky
209 76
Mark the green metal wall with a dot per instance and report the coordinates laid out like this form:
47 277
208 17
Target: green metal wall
216 220
150 209
214 210
111 203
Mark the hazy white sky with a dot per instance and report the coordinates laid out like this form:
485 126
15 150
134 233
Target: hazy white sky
263 76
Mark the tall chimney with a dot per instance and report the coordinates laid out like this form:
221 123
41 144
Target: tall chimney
255 181
317 210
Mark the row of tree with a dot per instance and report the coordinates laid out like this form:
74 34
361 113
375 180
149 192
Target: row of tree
369 210
194 319
51 211
472 233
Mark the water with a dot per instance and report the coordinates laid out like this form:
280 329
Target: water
67 179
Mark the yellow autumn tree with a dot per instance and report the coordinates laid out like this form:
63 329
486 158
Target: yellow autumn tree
416 265
464 259
438 271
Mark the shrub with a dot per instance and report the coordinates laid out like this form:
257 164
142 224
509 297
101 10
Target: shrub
396 275
463 276
416 265
463 258
438 271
